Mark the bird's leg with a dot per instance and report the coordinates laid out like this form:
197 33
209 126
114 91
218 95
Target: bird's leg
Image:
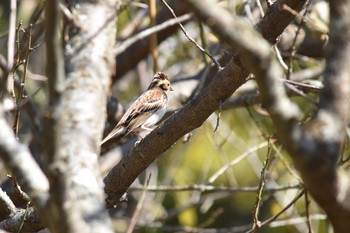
139 138
144 134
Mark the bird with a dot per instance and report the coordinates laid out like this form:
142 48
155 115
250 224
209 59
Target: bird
145 111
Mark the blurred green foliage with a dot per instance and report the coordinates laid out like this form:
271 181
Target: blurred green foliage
193 162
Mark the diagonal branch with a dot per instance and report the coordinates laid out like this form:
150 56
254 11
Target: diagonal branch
191 116
19 159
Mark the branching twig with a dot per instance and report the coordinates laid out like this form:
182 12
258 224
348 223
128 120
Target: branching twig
147 32
273 218
293 48
10 47
236 160
257 223
211 188
22 96
11 35
307 208
191 39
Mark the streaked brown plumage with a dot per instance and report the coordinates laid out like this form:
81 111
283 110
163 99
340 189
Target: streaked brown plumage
146 111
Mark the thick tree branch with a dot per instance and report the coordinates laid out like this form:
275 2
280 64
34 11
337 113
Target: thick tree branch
191 116
77 102
7 208
23 220
18 158
320 148
316 147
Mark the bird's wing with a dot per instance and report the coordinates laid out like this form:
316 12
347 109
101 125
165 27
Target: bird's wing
143 111
117 131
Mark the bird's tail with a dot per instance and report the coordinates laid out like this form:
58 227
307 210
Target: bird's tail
116 132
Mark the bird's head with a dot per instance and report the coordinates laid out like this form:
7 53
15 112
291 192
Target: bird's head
162 81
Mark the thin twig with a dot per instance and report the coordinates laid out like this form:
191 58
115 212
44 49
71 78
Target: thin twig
211 188
191 39
24 218
153 38
139 206
10 45
307 208
204 44
258 3
22 88
305 86
218 117
127 43
261 129
303 18
301 93
236 160
257 223
286 163
293 48
19 190
280 58
273 218
241 228
17 63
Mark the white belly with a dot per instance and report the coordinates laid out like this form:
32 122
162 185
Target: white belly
155 117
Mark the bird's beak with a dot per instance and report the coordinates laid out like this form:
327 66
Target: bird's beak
171 89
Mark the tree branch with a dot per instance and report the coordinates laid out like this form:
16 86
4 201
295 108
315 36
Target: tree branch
18 158
77 102
191 116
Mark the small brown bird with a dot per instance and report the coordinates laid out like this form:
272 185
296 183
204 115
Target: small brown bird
146 111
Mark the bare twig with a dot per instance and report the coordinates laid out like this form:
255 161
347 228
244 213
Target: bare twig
22 96
10 47
127 43
23 220
292 50
191 39
280 58
307 208
241 228
257 223
306 19
236 161
19 190
286 163
153 38
18 158
273 218
139 206
203 40
223 84
211 188
218 117
301 93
